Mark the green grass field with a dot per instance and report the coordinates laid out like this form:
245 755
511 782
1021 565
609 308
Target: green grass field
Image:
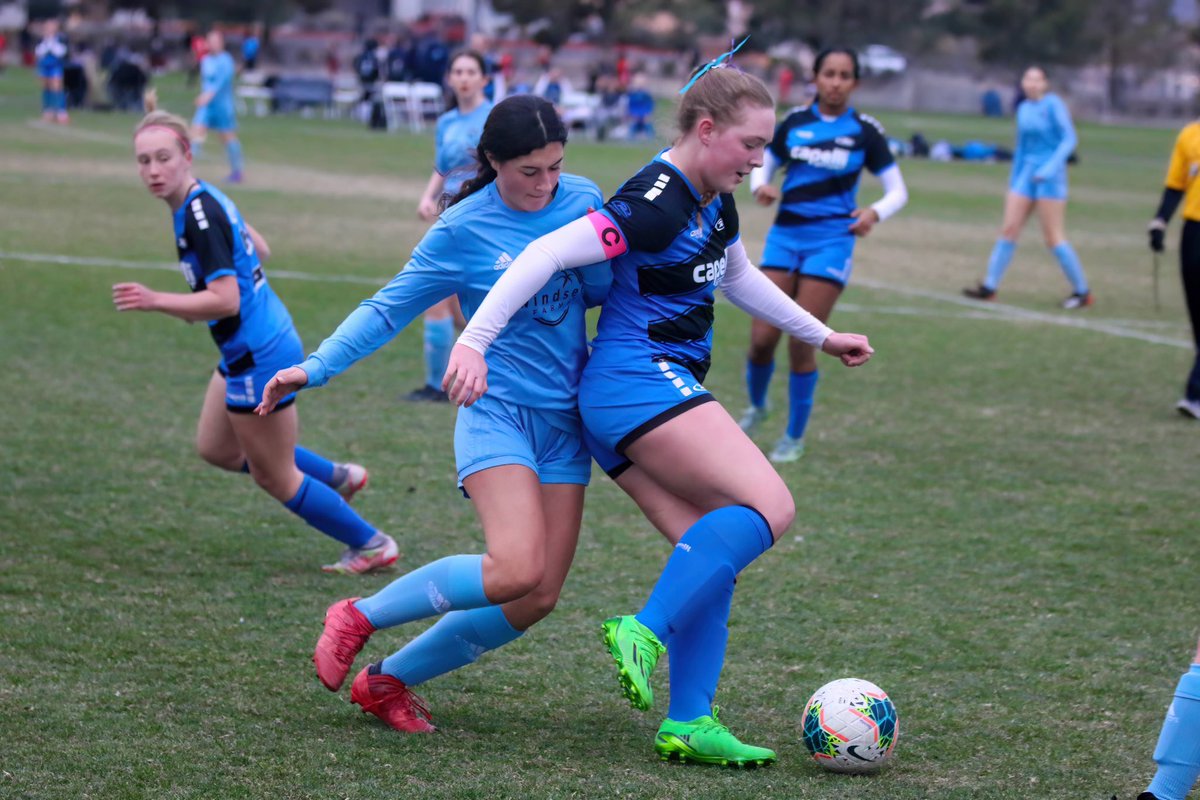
997 517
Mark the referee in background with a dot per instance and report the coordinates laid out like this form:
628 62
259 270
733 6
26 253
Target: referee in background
1181 184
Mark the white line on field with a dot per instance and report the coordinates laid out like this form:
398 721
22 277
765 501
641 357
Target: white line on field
973 309
83 261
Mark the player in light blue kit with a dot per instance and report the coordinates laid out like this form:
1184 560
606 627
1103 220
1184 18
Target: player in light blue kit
520 455
216 106
1178 750
810 248
458 132
219 254
51 54
1045 140
672 232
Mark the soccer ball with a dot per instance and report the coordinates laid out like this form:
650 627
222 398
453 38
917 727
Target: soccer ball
850 725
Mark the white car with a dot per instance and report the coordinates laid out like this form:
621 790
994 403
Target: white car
879 59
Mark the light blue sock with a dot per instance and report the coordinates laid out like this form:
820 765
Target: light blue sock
1071 267
697 654
233 149
711 553
456 640
439 341
1178 750
324 509
802 389
758 378
1002 254
453 582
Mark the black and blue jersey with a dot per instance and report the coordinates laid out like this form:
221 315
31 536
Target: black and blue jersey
824 159
660 306
212 241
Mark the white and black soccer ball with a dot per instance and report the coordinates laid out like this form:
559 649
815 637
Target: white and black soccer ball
851 725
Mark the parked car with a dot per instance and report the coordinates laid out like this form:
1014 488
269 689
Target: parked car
879 59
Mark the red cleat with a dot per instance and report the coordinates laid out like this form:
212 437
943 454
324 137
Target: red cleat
346 631
390 700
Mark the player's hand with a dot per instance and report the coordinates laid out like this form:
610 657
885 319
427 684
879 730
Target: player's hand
465 380
864 220
427 209
134 297
852 348
767 194
280 386
1157 231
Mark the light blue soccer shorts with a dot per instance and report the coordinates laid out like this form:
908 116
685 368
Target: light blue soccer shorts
216 117
1053 188
796 250
246 376
623 396
493 433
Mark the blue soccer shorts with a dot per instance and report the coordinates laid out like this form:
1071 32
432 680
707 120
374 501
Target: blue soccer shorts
494 433
623 396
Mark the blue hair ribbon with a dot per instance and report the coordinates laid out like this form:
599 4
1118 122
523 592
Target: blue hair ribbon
716 62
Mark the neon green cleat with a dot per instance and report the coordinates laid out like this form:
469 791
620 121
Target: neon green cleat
636 649
706 741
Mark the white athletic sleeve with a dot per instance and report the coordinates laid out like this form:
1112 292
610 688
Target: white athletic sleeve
895 193
761 176
750 290
575 244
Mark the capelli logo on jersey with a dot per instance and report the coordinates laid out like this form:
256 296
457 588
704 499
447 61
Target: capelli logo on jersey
712 272
835 159
720 226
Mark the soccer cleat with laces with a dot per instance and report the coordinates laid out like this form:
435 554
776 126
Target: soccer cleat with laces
787 450
1077 301
751 418
360 560
355 481
391 700
346 631
636 649
706 740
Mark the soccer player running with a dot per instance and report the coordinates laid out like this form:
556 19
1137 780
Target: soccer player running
458 131
215 105
672 232
1045 140
221 259
520 453
810 248
1181 184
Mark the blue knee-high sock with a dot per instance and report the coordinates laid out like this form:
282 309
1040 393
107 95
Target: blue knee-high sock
1071 267
439 341
453 582
324 509
711 553
456 640
233 149
1178 750
47 100
1002 254
697 654
802 389
59 98
758 378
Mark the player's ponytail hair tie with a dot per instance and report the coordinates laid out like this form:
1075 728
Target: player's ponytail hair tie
723 60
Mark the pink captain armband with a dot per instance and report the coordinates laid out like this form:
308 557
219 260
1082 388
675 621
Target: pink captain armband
609 234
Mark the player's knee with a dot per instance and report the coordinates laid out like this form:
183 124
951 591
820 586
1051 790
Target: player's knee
1009 232
514 574
218 456
778 509
541 602
279 484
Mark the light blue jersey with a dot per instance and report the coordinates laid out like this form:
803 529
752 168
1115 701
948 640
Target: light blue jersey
456 139
538 358
1045 140
217 72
